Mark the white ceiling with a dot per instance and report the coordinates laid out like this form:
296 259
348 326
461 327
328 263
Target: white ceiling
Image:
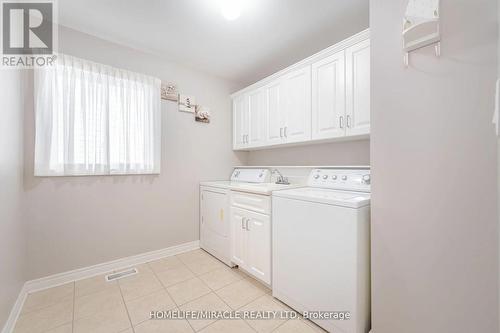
269 35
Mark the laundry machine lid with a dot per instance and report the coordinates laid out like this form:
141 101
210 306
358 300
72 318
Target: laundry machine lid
326 196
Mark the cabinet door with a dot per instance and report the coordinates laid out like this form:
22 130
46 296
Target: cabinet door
328 97
257 112
238 236
240 122
275 121
259 246
297 101
358 88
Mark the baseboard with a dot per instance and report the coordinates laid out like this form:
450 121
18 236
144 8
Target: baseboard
16 310
87 272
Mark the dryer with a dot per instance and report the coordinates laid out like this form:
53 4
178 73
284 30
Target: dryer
215 221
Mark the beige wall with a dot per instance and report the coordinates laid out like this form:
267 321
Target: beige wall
12 229
339 153
433 153
80 221
498 154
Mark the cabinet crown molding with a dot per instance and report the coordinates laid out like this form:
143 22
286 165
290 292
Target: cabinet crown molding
350 41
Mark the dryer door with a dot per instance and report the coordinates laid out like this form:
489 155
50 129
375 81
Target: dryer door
214 212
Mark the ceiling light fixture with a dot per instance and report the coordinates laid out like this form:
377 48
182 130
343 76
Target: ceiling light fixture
231 9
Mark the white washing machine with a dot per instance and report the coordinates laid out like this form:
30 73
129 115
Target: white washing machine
321 248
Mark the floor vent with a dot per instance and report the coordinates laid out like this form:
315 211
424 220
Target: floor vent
120 275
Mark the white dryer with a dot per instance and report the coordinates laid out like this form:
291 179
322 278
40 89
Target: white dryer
215 210
321 242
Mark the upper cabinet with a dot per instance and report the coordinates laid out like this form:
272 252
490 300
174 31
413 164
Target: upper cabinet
328 99
275 112
358 88
324 97
241 123
297 105
257 107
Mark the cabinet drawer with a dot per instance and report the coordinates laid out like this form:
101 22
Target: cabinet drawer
254 202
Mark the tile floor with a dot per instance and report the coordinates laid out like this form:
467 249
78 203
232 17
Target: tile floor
190 281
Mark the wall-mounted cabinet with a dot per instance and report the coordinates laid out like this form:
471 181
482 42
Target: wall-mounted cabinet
257 117
358 89
241 122
275 112
325 97
328 97
297 105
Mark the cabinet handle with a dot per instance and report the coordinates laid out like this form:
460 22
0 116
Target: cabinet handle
341 120
349 121
243 223
286 127
246 224
281 132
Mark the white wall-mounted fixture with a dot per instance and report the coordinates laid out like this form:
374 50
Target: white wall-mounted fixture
421 27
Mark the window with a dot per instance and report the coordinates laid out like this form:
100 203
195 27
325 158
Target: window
93 119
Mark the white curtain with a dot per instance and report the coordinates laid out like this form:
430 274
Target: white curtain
93 119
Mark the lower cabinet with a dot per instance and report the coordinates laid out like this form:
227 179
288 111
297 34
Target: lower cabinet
251 242
238 236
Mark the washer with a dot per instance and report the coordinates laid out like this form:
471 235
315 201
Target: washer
321 242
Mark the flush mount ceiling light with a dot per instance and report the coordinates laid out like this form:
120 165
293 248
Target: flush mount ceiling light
231 9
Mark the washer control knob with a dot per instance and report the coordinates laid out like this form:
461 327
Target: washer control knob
334 177
344 177
366 179
316 176
325 177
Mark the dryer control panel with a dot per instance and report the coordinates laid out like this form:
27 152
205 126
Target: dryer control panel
341 179
251 175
